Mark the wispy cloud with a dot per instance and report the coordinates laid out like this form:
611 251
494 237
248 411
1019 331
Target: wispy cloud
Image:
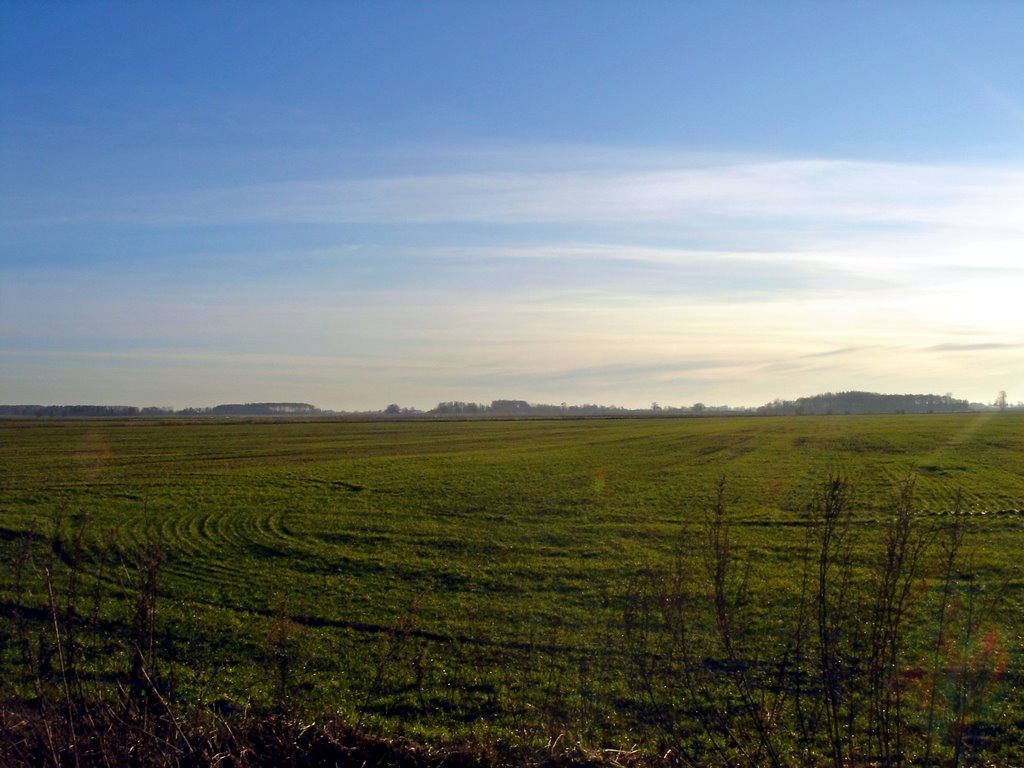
816 192
977 347
751 278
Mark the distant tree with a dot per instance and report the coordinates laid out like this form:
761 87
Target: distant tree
698 407
1001 400
510 406
866 402
393 410
263 409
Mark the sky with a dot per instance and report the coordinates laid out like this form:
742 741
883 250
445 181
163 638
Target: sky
354 204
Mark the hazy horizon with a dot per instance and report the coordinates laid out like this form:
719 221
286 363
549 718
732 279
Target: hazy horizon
360 204
571 405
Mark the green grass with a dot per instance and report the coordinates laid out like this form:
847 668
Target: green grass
509 544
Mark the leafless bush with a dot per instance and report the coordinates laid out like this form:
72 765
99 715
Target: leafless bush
875 655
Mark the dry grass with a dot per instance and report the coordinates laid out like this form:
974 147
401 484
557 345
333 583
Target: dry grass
36 736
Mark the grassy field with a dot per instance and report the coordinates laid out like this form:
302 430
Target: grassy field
467 578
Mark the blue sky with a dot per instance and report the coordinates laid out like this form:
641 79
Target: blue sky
355 203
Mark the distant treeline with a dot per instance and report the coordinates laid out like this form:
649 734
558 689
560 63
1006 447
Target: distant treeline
75 411
866 402
264 409
518 408
504 408
121 411
827 403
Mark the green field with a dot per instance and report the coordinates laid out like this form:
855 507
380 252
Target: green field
464 578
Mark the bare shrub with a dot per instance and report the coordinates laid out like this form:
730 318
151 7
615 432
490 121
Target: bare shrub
879 653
